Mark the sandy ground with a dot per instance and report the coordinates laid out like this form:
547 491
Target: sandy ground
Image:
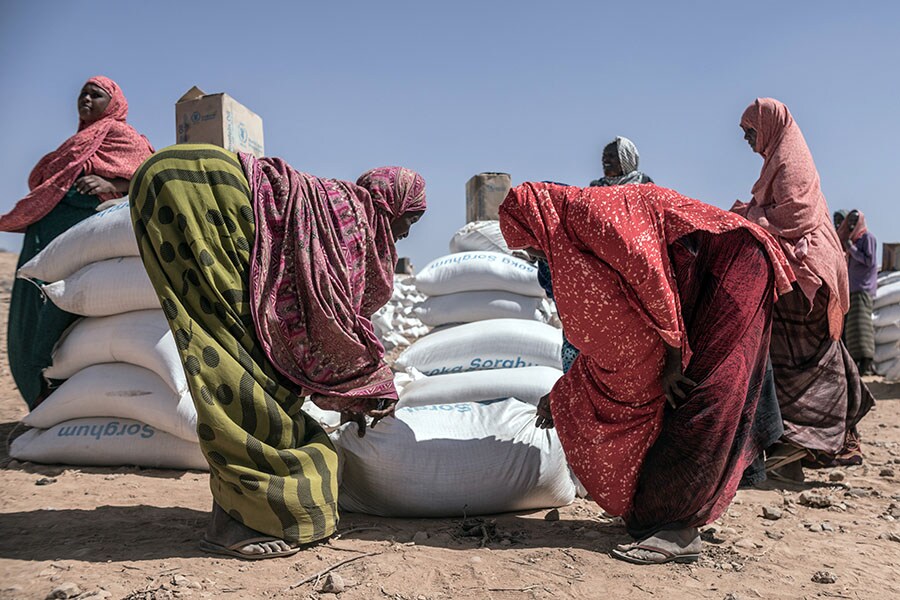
132 534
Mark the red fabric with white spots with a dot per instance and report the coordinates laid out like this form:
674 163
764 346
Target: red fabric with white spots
608 253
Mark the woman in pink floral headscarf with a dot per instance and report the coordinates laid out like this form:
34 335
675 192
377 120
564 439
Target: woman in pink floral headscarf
269 278
92 166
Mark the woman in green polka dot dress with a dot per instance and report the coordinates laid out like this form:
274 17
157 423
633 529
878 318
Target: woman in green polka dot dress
268 277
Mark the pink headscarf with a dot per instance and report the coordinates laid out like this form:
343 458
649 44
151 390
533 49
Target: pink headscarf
322 264
397 190
851 237
788 203
107 147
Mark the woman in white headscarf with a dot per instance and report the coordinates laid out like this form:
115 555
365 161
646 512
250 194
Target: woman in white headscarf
620 164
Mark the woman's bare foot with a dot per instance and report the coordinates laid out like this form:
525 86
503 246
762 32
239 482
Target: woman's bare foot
678 545
225 535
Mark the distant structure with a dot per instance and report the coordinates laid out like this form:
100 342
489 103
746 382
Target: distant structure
890 257
404 266
484 194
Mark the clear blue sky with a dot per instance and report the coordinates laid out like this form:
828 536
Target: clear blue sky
451 89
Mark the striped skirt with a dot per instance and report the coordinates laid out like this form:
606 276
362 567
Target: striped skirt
820 392
272 467
859 333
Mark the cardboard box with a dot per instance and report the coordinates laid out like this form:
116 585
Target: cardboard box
485 193
890 257
217 119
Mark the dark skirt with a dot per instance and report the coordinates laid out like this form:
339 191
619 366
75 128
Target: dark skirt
821 394
768 428
35 323
859 332
690 475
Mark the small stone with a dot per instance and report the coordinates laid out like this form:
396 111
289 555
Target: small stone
45 481
772 513
824 577
420 537
890 536
712 535
421 597
889 473
13 464
857 492
731 597
836 476
815 527
728 531
815 499
827 527
334 584
180 580
66 590
552 515
745 544
726 567
506 542
774 535
475 560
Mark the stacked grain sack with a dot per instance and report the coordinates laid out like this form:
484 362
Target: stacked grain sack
125 399
463 441
886 319
395 323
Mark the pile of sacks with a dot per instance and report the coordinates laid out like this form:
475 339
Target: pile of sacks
125 399
395 323
886 318
463 441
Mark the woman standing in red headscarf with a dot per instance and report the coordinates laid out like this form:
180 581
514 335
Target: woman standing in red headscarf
669 301
67 185
820 392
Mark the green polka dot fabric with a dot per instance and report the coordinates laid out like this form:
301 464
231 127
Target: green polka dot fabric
271 466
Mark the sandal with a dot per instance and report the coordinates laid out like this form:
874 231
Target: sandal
234 549
784 455
667 556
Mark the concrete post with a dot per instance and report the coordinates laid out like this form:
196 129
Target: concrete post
484 194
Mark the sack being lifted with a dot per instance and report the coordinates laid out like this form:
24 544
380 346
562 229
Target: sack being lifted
451 460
